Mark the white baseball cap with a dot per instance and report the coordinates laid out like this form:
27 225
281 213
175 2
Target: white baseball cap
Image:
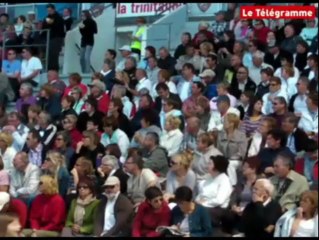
125 48
4 199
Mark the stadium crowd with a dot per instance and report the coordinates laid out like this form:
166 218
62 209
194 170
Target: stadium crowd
218 139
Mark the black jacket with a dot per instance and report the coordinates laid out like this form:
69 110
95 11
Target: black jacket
261 90
168 64
180 51
275 62
121 175
256 217
51 105
68 23
90 28
56 28
301 139
109 80
234 87
173 96
84 118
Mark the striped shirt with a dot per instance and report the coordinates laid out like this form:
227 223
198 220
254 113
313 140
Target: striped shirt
249 126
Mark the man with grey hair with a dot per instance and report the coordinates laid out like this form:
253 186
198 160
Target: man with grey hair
289 185
260 216
258 64
25 178
110 167
143 86
26 98
108 72
46 129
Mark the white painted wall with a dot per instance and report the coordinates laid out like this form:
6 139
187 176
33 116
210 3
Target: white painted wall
103 40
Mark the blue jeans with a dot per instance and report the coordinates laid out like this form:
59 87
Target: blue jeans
85 58
308 168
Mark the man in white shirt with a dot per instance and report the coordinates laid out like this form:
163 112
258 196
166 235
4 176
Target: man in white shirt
17 129
275 90
185 81
25 178
30 68
126 52
143 86
309 119
258 65
222 90
115 212
216 121
298 102
152 70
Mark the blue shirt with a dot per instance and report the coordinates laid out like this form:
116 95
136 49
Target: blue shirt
11 68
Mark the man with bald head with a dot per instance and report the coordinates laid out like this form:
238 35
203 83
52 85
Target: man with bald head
192 131
53 79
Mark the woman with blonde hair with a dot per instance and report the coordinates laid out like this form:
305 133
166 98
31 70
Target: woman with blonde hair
7 152
172 137
48 212
205 48
77 94
301 221
33 116
83 168
233 144
205 149
54 165
180 174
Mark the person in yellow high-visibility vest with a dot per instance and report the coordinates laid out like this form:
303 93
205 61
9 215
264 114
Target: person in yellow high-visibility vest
137 36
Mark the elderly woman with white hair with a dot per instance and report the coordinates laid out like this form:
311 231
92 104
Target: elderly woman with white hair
110 167
257 66
260 216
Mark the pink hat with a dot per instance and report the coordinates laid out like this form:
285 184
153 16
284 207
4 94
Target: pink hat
4 178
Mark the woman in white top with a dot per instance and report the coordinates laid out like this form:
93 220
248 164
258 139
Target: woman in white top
214 192
286 62
288 81
164 76
112 134
79 101
7 152
302 221
172 137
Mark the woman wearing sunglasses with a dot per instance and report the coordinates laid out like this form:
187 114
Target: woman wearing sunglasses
152 213
80 220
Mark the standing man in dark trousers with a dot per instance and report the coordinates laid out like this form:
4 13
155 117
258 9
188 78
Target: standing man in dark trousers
55 23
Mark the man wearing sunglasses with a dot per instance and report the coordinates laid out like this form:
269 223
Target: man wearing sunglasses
115 212
275 90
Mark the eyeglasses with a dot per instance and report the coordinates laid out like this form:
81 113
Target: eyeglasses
109 187
83 187
48 159
173 163
274 103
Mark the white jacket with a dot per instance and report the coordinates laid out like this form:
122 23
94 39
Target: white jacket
216 121
7 158
172 141
25 184
307 123
255 145
267 106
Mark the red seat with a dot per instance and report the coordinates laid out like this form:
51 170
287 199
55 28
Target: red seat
300 165
315 171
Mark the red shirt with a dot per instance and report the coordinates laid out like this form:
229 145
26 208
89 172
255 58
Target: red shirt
103 103
19 208
69 88
146 220
48 213
261 34
76 137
